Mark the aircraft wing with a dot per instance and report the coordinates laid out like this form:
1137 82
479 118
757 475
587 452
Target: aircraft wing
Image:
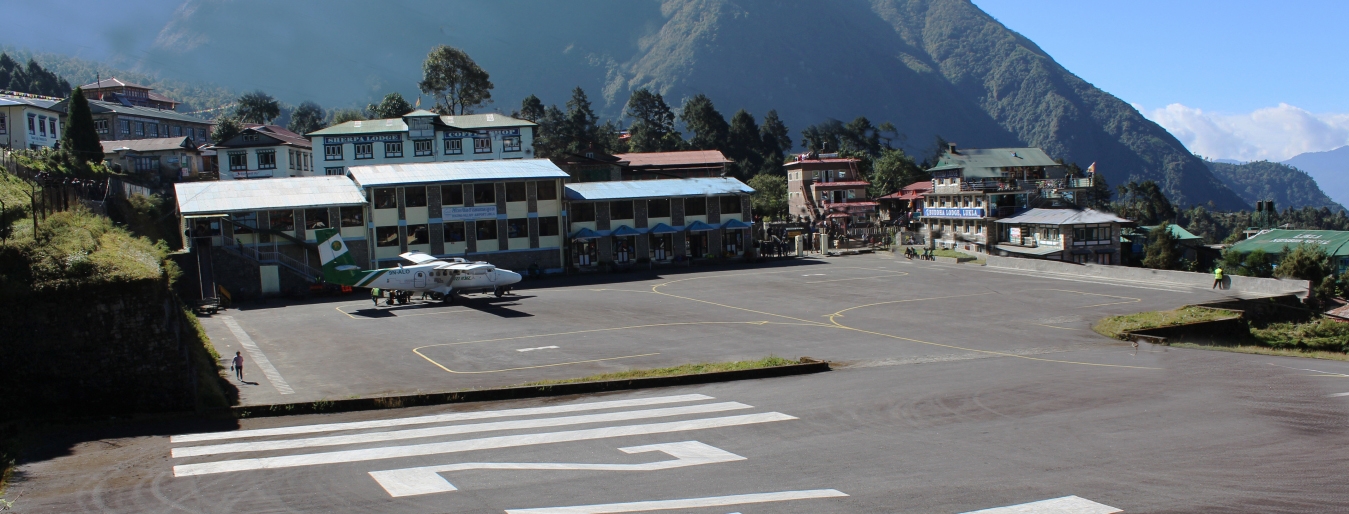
418 257
466 266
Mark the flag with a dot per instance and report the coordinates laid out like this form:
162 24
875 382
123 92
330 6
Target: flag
419 102
1092 169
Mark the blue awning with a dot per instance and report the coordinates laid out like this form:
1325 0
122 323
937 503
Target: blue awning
662 228
735 225
625 230
585 233
699 226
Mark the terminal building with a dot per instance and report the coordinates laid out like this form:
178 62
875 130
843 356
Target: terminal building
420 137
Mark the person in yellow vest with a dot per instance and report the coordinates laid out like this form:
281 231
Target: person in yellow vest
374 296
1217 277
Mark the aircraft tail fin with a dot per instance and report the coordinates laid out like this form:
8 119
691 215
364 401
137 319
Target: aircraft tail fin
339 267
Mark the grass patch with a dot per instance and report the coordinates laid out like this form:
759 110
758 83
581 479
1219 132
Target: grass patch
1117 326
1318 335
686 369
958 255
1263 350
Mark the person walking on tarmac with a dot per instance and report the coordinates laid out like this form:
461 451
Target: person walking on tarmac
374 296
238 365
1217 277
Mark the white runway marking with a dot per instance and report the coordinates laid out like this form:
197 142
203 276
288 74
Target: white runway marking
1337 395
259 359
438 418
1064 505
691 503
539 348
398 435
427 480
486 443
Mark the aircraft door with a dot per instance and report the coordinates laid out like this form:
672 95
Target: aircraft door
419 279
492 275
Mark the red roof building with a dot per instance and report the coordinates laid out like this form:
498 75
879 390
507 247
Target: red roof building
662 165
821 188
118 91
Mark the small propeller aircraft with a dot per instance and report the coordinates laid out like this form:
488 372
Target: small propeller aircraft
443 278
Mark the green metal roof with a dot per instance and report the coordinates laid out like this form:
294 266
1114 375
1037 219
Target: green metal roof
1335 242
363 127
1176 231
478 121
985 162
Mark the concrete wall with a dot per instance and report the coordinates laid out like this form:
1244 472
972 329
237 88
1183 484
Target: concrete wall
1271 286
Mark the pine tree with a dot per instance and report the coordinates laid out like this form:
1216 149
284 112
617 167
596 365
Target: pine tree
80 138
707 124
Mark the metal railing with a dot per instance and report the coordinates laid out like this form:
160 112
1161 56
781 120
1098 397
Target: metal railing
273 256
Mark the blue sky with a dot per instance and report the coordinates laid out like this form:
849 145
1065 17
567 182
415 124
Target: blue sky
1238 79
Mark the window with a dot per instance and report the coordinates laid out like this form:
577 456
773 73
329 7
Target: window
620 210
51 126
42 125
510 144
290 159
352 216
730 205
454 146
153 130
452 195
177 131
246 223
548 226
515 192
658 208
695 206
454 232
420 128
332 152
386 198
421 148
124 127
484 194
482 145
414 197
333 171
517 227
4 125
238 161
32 124
487 230
393 149
842 174
283 220
147 164
583 212
266 159
315 219
386 236
363 150
546 189
418 235
309 161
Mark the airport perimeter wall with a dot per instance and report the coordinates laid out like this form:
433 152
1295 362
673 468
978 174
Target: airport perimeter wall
103 349
1267 286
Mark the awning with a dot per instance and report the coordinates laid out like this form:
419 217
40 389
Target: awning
735 225
1024 250
585 233
662 228
839 215
699 226
624 231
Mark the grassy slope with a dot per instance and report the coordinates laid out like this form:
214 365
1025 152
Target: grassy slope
1117 326
686 369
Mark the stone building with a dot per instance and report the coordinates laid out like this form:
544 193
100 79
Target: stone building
1070 235
117 121
827 190
165 159
119 91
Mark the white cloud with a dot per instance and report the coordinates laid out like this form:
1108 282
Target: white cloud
1273 133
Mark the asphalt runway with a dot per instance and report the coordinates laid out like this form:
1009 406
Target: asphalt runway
960 389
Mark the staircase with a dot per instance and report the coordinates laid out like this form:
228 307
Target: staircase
272 257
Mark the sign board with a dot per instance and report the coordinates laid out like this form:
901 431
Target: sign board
1014 234
370 138
468 213
251 173
954 212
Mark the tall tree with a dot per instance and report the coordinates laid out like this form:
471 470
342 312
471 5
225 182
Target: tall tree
653 125
1144 203
257 107
858 136
580 126
226 127
743 144
776 141
340 116
893 170
457 82
707 124
306 118
770 196
1161 250
531 108
80 138
392 106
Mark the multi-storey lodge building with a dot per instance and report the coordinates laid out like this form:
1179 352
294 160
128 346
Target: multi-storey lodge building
420 137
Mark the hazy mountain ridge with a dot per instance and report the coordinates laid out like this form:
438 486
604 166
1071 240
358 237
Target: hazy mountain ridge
194 95
1330 169
1264 180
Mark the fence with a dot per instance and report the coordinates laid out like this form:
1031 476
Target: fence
55 192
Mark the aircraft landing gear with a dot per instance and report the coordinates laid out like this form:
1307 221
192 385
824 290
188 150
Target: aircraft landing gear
499 292
447 298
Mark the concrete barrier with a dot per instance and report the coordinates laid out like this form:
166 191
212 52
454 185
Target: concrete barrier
1268 286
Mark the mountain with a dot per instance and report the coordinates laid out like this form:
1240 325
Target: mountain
1330 169
1264 180
931 67
193 93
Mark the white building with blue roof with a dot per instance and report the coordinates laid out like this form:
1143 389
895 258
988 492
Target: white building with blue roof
29 121
657 221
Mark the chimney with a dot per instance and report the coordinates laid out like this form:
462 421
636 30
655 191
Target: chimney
952 148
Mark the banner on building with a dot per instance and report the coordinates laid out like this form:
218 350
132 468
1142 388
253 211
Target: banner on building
468 213
370 138
954 212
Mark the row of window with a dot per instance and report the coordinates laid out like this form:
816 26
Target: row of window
284 220
482 193
955 201
657 208
484 230
422 148
825 175
300 160
36 125
151 129
967 227
1091 233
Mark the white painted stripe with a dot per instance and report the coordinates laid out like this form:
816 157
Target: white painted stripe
427 480
1064 505
691 503
398 435
438 418
1337 395
539 348
486 443
259 359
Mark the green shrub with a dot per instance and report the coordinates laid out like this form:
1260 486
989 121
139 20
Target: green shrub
1321 334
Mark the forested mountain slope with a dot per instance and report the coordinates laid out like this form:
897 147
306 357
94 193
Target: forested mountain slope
1264 180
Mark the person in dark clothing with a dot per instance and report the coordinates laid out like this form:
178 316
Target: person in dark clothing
238 365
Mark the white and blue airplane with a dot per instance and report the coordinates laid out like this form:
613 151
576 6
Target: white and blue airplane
443 278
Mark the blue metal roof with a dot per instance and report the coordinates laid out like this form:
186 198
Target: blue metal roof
662 228
631 189
585 233
699 226
627 231
735 225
